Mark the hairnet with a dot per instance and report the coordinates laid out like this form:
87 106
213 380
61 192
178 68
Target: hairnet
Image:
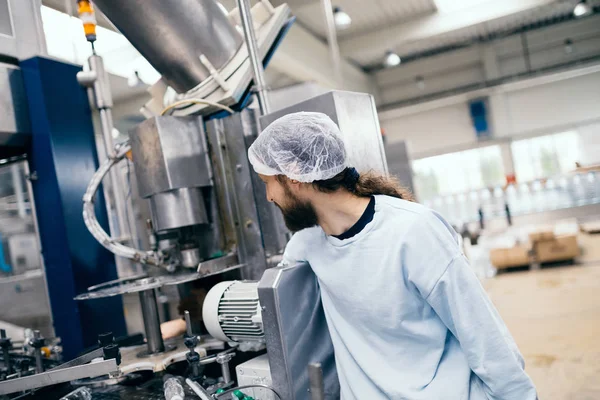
304 146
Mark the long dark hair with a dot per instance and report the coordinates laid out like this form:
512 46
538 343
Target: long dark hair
367 185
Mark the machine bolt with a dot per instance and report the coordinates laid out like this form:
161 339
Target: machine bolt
238 167
112 351
105 339
37 342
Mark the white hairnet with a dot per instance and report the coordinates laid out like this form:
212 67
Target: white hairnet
304 146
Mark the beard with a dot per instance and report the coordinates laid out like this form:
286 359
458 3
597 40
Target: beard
297 214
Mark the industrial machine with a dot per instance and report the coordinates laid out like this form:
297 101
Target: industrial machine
209 214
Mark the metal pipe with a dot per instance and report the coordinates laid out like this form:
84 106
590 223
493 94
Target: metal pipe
151 321
260 85
172 35
315 377
104 104
334 49
116 180
18 186
225 372
188 324
96 79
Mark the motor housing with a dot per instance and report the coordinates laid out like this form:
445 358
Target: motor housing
232 313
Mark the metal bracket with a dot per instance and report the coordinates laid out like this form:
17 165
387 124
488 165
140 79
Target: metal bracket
214 73
54 377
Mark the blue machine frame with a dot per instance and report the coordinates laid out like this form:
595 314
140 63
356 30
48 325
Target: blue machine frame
62 157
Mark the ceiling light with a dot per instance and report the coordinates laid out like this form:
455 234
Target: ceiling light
341 18
391 59
582 9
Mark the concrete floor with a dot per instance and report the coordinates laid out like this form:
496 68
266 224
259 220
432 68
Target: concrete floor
554 316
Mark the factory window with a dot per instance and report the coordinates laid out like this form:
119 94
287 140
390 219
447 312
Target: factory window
546 156
65 40
458 172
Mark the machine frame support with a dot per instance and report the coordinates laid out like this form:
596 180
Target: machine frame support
63 148
151 322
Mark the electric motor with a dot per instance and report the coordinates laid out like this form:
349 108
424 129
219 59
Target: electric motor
232 313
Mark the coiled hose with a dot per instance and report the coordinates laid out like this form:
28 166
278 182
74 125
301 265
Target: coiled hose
91 222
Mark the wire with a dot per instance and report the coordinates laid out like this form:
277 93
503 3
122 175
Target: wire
196 101
217 396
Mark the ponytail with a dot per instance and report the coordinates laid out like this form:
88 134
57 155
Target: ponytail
365 185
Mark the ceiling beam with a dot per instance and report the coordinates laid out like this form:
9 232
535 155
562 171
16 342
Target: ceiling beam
373 45
305 58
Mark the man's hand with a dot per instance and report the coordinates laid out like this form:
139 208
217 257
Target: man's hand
171 329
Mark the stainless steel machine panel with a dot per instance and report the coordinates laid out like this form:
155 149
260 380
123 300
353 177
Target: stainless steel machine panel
172 35
21 29
6 26
296 331
399 163
26 302
178 208
234 184
14 114
170 153
356 116
255 371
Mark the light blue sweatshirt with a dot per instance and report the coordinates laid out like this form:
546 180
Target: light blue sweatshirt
407 316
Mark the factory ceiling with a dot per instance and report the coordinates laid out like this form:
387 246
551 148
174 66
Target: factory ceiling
411 28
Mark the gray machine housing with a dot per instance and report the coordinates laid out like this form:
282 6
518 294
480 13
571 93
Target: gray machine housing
356 116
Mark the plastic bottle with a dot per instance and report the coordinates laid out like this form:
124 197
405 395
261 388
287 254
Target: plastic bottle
173 389
82 393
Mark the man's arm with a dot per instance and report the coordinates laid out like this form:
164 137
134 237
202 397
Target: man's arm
462 304
444 278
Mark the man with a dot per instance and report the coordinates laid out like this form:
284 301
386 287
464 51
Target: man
407 316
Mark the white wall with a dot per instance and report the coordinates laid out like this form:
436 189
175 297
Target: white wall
483 64
432 130
590 142
436 127
554 105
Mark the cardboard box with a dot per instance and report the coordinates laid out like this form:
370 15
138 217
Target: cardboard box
540 236
510 257
561 248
